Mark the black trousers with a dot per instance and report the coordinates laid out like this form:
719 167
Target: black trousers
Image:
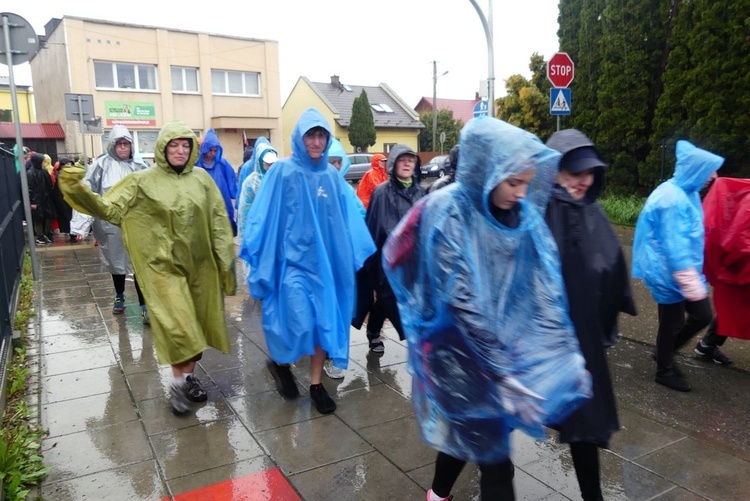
712 337
119 281
675 330
495 484
382 309
586 462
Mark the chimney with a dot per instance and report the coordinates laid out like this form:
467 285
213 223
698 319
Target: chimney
335 81
476 96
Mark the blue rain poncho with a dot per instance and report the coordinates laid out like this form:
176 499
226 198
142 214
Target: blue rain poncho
305 239
669 234
220 170
335 149
483 305
248 167
252 183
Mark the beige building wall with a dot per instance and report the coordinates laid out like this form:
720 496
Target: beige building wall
66 65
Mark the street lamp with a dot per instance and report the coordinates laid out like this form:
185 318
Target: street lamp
434 103
488 26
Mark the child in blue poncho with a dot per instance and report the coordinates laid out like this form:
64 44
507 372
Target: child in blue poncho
477 277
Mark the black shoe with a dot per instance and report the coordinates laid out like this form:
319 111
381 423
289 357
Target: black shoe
713 353
284 379
48 238
41 241
194 391
673 379
323 402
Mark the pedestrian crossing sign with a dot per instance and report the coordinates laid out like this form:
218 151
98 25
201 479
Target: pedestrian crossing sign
559 101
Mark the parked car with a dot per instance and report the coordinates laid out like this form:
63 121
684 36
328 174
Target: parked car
360 165
434 168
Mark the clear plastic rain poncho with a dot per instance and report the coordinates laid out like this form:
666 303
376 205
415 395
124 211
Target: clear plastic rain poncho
491 346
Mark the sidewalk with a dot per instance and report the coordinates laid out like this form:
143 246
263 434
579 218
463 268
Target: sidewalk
103 398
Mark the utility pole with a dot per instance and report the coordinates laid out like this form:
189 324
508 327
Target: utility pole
434 103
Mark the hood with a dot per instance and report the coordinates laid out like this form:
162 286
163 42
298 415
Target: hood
175 129
694 166
209 141
260 149
568 140
119 132
336 149
397 151
493 150
375 162
309 119
37 160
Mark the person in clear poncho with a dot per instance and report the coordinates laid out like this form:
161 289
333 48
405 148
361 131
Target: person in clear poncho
477 277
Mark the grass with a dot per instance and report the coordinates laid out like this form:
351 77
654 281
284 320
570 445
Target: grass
622 210
21 464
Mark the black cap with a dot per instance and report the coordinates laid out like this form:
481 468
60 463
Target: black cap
581 159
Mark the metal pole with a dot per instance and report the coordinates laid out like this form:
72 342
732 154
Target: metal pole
490 56
19 152
558 123
83 136
434 105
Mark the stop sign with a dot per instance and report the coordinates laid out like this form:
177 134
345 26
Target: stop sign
560 70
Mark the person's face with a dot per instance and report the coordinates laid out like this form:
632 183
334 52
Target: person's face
122 149
178 152
405 166
576 184
211 154
508 193
316 141
267 166
335 161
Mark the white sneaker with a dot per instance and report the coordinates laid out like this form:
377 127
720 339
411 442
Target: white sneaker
332 371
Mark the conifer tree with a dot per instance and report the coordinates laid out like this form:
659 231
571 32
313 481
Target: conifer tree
362 133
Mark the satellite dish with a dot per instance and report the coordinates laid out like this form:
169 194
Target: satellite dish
24 43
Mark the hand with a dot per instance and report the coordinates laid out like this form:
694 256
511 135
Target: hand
33 206
72 174
520 402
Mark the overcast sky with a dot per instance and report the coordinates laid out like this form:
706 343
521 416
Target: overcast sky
365 42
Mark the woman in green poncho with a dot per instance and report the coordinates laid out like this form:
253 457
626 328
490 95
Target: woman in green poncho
176 230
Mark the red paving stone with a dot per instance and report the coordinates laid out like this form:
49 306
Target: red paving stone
268 485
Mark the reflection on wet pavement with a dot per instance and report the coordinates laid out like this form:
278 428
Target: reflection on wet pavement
103 399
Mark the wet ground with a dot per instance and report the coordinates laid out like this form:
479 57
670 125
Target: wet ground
103 398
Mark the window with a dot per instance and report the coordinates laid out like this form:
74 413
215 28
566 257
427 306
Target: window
184 79
6 115
387 147
381 108
237 83
124 76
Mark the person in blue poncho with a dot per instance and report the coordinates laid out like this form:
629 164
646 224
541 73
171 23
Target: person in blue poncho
668 255
477 277
265 156
212 160
248 167
305 239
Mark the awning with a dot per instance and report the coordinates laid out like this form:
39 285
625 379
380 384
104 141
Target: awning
32 131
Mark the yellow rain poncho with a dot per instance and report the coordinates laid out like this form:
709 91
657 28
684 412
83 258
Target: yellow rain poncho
176 230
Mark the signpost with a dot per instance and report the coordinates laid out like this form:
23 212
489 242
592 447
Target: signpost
481 109
560 71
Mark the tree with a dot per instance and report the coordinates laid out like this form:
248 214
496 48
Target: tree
526 104
445 123
362 133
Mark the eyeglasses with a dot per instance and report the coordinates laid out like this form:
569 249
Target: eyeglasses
122 144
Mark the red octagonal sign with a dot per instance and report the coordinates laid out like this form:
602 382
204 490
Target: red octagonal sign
560 70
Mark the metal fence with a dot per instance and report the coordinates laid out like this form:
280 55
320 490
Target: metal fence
12 243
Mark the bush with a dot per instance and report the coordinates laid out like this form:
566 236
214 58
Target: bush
622 210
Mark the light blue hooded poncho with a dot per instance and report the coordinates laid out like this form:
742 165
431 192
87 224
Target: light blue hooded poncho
249 167
305 239
251 184
221 171
669 233
337 150
483 305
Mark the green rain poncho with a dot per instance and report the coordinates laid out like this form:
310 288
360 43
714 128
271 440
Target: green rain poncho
177 232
